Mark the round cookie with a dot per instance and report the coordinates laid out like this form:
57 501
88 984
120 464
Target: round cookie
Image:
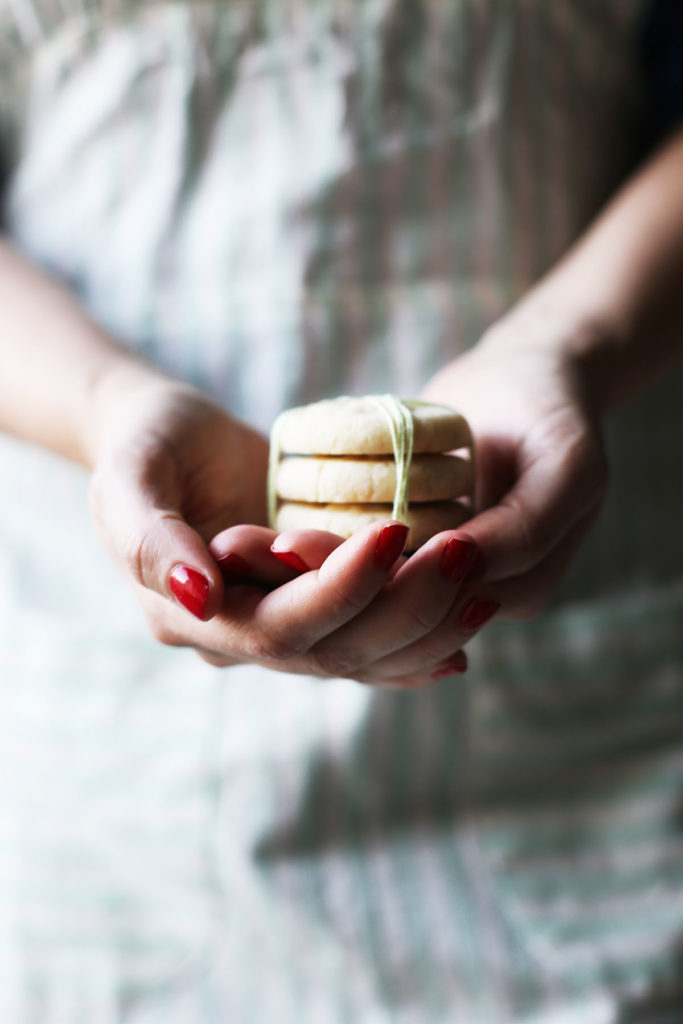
423 520
347 480
356 426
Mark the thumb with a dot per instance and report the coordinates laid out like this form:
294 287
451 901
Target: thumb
541 508
171 558
147 536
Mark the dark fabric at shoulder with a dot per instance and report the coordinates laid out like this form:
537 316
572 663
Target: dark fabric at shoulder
662 56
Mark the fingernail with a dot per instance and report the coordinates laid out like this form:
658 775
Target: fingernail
456 666
478 567
291 559
476 612
457 558
234 564
190 588
390 543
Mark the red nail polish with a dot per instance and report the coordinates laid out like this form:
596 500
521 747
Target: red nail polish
190 588
478 566
456 666
457 558
291 559
234 564
476 612
390 543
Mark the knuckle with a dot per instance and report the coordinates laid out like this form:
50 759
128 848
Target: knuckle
333 662
141 551
214 659
427 617
586 462
349 604
163 634
534 539
137 557
131 557
275 647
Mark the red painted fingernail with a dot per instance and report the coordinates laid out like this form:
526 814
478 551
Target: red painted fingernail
457 558
390 543
190 588
234 564
291 559
476 612
478 566
456 666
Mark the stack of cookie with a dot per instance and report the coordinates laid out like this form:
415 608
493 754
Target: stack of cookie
342 463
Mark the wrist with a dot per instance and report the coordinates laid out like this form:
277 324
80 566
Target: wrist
119 383
588 347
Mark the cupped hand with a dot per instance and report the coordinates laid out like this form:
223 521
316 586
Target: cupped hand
541 468
352 608
178 495
170 470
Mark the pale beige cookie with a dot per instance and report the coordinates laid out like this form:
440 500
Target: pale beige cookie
344 479
357 426
424 520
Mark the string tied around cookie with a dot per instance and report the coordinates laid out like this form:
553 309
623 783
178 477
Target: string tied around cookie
402 431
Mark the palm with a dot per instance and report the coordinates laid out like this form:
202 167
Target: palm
186 455
521 411
541 470
221 468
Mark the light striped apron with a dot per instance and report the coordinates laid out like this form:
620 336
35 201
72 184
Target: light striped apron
280 201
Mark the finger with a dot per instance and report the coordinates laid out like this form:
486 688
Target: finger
524 596
215 658
217 640
520 597
455 665
258 553
278 628
411 606
139 516
305 549
243 553
288 621
550 497
476 605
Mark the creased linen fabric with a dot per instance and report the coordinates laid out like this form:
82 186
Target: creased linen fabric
280 201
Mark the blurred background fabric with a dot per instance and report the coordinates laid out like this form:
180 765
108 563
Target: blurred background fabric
279 201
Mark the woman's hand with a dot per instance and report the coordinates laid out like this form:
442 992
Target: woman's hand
541 469
595 331
178 495
352 608
171 469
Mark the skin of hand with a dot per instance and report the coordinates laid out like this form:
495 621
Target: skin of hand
173 472
541 467
602 324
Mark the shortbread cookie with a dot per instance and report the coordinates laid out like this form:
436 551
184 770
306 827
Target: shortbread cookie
344 479
339 464
357 426
423 520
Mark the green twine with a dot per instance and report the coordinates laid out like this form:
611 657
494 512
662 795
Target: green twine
401 428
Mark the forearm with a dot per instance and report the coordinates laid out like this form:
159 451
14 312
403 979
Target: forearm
617 296
53 360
